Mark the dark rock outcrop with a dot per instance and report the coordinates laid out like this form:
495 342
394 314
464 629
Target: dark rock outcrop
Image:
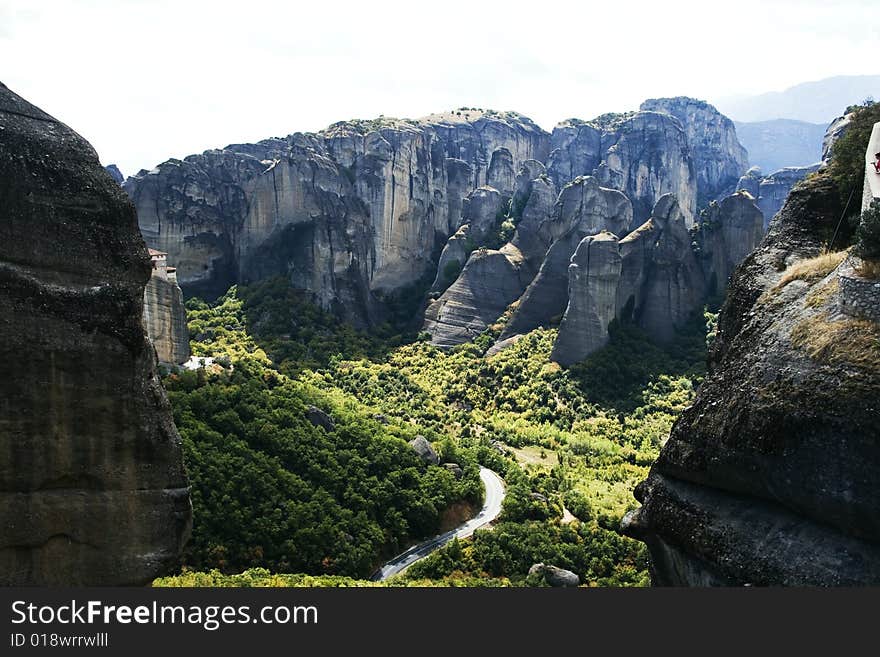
771 476
92 485
115 173
319 418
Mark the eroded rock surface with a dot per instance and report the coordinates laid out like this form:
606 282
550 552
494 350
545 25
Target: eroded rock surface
165 316
719 158
92 485
356 211
643 154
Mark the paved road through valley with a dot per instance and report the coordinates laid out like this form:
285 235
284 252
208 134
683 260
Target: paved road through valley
491 509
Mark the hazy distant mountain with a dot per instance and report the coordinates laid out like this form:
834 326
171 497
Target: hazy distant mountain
814 102
780 143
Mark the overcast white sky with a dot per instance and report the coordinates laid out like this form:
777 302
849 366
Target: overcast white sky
145 80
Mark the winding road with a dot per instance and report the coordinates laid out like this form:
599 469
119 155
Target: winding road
491 509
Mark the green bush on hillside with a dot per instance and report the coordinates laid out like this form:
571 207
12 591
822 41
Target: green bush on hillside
868 235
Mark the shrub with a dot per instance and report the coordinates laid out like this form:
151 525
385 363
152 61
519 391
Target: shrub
848 154
868 235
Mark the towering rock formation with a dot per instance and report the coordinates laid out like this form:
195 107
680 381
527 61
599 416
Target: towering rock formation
92 486
594 274
643 154
654 278
358 212
531 264
657 276
770 478
164 312
719 158
349 214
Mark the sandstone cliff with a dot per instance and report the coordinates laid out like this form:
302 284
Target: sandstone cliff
350 214
364 209
91 478
770 477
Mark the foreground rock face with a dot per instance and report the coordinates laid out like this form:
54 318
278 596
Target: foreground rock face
92 481
771 476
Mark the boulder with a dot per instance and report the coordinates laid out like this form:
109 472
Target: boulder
455 469
93 491
319 418
426 452
555 576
